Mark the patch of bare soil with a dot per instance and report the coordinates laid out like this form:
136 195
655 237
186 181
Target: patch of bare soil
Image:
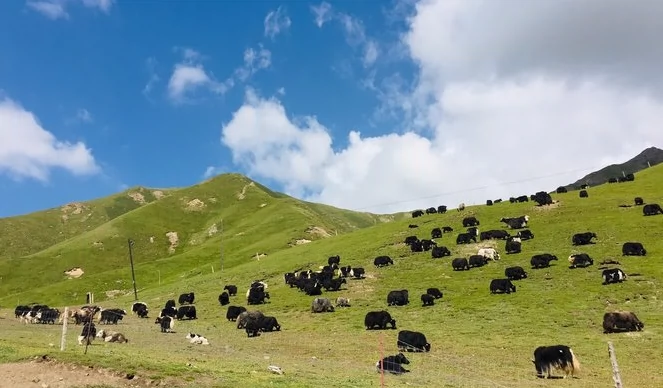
158 194
45 373
174 240
553 205
242 194
318 230
138 197
74 273
195 204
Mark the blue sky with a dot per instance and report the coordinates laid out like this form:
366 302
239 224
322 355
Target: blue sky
365 105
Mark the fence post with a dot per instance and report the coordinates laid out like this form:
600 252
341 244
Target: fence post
64 329
615 368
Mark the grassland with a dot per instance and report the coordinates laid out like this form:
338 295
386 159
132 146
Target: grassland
248 217
478 339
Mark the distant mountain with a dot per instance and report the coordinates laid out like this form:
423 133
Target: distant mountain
649 157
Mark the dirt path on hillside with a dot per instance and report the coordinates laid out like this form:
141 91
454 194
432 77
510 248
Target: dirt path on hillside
45 373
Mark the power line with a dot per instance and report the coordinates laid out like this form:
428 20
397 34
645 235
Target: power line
472 189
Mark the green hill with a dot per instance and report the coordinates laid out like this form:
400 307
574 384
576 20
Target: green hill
647 158
174 233
478 339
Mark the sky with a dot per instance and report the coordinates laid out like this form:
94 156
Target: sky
378 106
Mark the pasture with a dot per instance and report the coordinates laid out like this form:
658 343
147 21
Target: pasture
478 339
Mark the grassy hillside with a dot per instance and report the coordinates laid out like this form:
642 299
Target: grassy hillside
173 235
31 233
478 339
650 156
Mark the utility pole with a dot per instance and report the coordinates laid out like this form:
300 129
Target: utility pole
222 245
133 274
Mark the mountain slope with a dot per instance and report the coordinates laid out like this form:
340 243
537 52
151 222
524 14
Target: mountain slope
480 339
649 157
31 233
183 229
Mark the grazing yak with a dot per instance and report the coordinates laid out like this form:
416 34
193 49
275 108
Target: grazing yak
187 298
334 260
234 312
583 194
614 275
245 316
112 336
561 190
392 364
434 292
470 221
516 222
465 238
187 311
224 298
494 234
633 249
88 333
638 201
166 323
652 209
397 298
379 319
513 245
477 261
542 261
111 316
231 288
460 264
383 261
515 273
196 339
620 321
440 252
342 302
427 300
436 233
140 309
580 260
257 293
502 286
417 213
412 341
322 305
525 234
489 253
583 238
556 356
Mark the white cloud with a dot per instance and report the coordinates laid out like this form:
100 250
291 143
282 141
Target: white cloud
322 12
501 106
51 9
57 9
212 171
353 30
151 64
487 134
83 115
28 150
276 22
254 60
190 75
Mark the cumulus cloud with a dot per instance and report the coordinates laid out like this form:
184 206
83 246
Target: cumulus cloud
57 9
322 13
276 21
501 106
190 74
29 151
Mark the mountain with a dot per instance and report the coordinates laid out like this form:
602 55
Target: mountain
178 228
480 339
647 158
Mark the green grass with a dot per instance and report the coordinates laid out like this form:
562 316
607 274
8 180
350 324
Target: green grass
253 218
478 339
